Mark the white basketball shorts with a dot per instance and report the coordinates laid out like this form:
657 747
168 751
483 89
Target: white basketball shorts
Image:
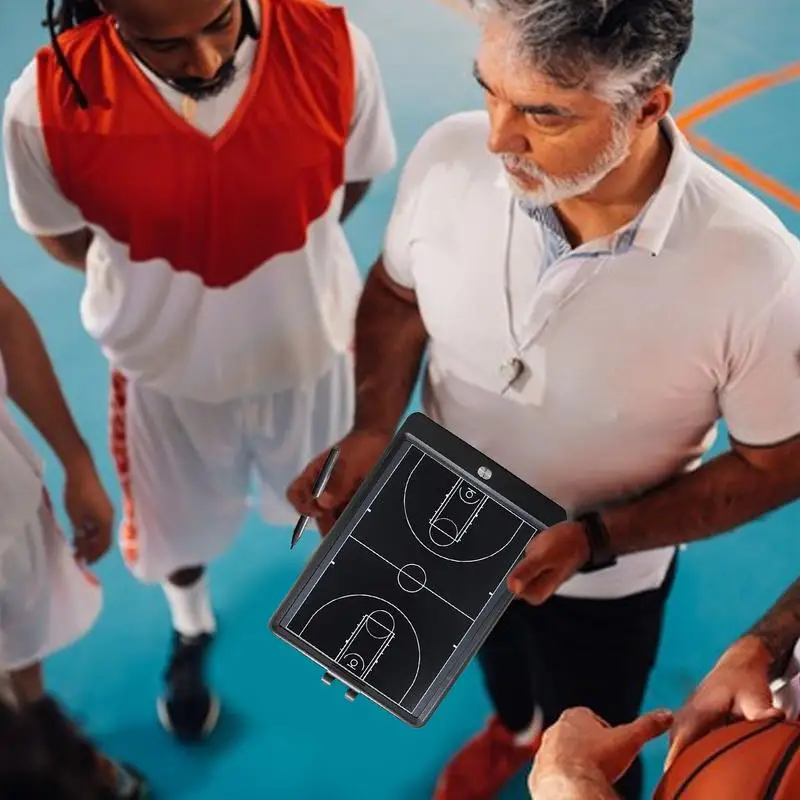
187 469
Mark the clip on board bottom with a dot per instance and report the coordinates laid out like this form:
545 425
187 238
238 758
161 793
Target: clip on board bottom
350 694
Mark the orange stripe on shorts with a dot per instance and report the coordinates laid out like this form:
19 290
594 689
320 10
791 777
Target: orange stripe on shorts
129 540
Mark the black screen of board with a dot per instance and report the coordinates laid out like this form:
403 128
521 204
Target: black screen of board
410 578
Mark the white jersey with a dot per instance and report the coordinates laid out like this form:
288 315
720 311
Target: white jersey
278 327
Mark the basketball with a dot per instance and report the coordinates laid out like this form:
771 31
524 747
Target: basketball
743 761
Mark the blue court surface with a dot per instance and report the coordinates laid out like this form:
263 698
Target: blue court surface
284 734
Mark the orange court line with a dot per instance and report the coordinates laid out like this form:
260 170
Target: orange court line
731 95
743 170
724 99
460 6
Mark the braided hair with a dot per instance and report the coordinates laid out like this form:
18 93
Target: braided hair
69 14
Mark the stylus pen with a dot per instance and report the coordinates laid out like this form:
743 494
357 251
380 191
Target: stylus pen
319 488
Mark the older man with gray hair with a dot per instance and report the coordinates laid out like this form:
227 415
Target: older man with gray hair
593 298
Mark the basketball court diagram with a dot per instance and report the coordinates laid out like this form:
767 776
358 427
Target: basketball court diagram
365 645
402 590
380 630
457 512
454 519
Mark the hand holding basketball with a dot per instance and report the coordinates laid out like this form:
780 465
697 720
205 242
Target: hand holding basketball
359 451
588 743
737 688
553 557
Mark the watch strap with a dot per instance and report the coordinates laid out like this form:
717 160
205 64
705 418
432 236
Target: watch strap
601 554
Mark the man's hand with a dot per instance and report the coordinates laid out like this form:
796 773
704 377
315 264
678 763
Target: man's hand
359 451
737 688
581 743
553 557
88 508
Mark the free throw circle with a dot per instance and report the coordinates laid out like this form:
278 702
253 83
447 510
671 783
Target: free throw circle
380 624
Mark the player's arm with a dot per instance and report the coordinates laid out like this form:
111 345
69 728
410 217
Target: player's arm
32 382
760 401
390 343
739 686
38 205
778 631
371 147
354 193
69 248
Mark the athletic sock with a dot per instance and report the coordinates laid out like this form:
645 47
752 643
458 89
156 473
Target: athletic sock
125 784
531 733
190 607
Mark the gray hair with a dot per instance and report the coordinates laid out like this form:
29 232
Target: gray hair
618 49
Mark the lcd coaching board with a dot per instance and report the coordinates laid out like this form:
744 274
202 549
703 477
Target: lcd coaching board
405 588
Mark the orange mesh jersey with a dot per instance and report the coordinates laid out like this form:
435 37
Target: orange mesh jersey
218 207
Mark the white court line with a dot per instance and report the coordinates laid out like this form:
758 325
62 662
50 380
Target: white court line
366 683
398 610
389 631
364 513
458 475
451 493
399 569
435 678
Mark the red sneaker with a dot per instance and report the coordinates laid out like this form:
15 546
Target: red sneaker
484 765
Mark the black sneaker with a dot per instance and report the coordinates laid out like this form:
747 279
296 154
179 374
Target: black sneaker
187 708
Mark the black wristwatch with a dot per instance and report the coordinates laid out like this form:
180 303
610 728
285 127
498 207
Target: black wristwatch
601 556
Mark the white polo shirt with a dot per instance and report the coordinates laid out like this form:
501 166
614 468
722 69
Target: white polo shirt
636 345
279 328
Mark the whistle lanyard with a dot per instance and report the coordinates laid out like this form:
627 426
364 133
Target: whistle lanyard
515 369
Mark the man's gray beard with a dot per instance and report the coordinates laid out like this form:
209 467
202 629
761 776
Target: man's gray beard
556 190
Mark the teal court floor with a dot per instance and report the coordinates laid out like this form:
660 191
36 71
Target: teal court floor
284 735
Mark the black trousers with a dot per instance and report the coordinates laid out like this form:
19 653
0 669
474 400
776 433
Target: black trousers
575 652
